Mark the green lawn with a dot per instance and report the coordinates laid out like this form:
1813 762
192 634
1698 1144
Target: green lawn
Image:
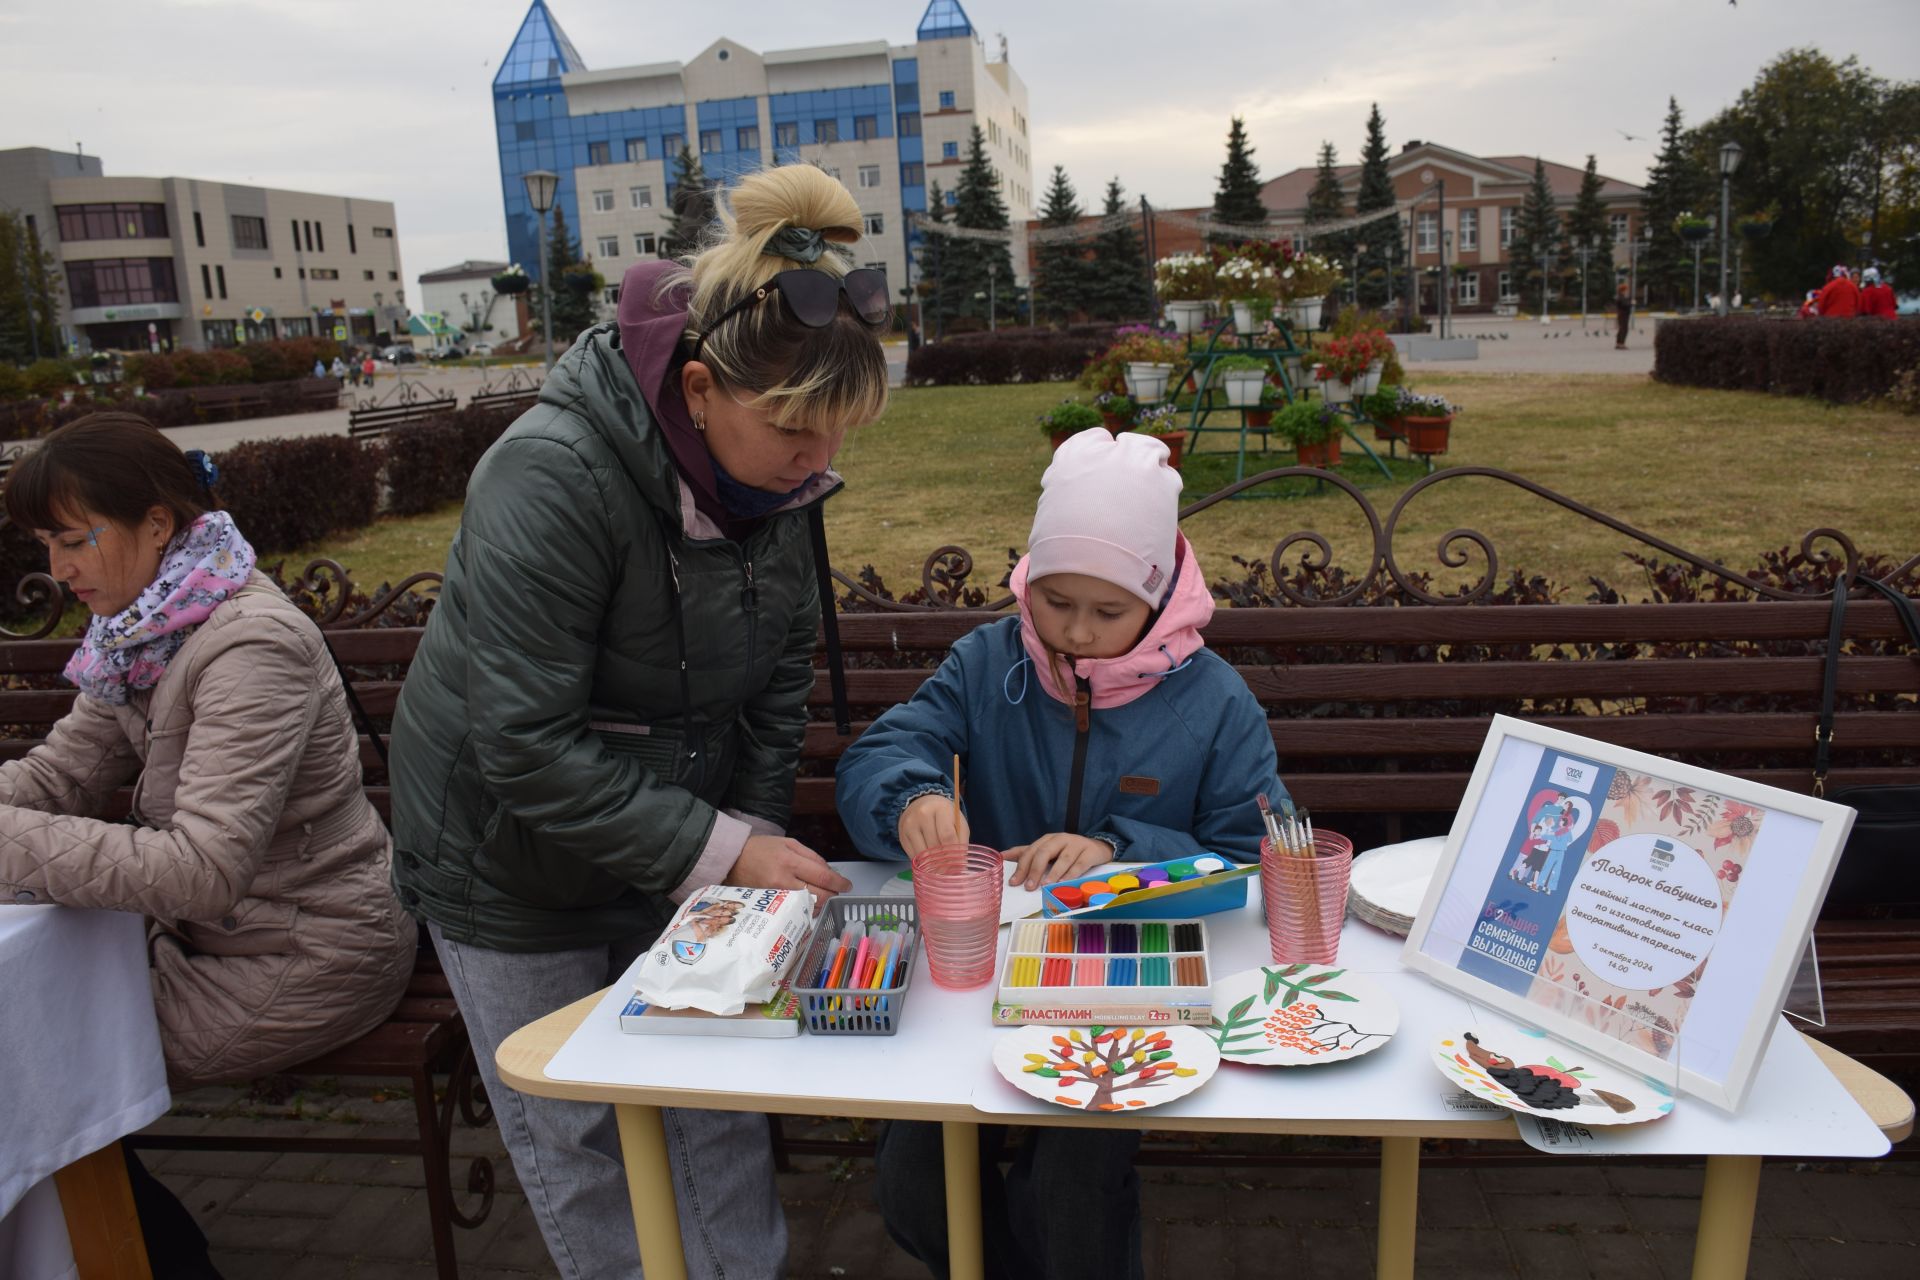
1729 475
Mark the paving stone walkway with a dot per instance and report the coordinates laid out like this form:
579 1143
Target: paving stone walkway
312 1217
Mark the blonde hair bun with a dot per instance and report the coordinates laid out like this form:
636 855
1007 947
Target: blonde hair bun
795 195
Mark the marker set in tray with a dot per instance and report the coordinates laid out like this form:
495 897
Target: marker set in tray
1098 971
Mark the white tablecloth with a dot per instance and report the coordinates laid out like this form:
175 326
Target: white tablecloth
80 1062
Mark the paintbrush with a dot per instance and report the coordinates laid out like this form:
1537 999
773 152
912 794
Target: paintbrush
1269 821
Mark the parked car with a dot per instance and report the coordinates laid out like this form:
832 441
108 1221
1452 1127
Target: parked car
480 349
448 352
400 355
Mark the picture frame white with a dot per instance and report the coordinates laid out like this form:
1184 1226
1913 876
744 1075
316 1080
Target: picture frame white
1733 999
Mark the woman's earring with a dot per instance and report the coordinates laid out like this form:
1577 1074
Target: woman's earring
699 420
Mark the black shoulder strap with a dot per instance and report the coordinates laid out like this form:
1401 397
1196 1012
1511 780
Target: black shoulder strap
1836 634
830 620
353 700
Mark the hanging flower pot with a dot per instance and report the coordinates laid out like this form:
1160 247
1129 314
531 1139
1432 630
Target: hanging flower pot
1369 382
1325 454
1333 390
512 281
1147 381
1306 313
1428 435
1188 317
1242 387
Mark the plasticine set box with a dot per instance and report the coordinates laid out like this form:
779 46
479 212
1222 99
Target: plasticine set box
1182 887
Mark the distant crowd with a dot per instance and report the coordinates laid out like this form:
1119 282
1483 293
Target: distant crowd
1850 291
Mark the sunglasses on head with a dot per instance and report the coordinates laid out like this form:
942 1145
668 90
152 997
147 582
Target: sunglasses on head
813 298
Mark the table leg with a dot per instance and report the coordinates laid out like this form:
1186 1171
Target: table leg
1399 1207
656 1219
1726 1217
97 1202
966 1234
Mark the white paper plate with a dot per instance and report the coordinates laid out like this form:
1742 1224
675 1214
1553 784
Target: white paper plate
1389 882
1300 1015
1106 1068
1577 1088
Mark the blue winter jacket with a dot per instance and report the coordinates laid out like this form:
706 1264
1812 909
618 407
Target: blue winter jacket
1170 774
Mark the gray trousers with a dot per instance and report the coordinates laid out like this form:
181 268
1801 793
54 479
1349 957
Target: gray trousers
567 1154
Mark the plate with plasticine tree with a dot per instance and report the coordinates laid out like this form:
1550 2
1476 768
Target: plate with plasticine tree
1106 1068
1300 1015
1528 1073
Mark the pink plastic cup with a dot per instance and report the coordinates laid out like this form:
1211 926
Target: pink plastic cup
956 888
1306 899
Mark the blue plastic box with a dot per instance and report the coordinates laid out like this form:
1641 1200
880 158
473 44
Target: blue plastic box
1201 895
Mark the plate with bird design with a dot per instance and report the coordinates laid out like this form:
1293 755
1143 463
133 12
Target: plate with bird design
1537 1076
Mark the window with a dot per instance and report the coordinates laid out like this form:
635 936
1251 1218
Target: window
276 273
1428 233
1466 289
320 236
876 224
112 221
644 244
353 246
609 246
523 131
1617 224
786 135
199 231
598 153
909 124
1507 292
913 174
603 202
612 292
747 138
866 128
382 233
323 273
946 99
309 227
636 149
220 274
1470 234
393 275
949 151
119 282
826 131
218 333
709 141
364 275
1506 236
248 233
952 198
869 175
206 278
640 197
672 144
303 273
881 267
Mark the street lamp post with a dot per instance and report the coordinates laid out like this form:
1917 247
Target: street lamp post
541 185
1446 284
1586 251
1698 245
1729 162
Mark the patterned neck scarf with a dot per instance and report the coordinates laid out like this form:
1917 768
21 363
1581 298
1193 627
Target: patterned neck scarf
203 566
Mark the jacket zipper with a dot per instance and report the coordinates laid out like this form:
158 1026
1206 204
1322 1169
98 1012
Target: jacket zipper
750 604
1082 723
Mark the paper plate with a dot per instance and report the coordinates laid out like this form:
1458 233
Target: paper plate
1300 1015
1537 1076
1106 1068
1389 882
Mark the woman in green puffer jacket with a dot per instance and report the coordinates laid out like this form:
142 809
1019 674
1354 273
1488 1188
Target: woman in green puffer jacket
606 711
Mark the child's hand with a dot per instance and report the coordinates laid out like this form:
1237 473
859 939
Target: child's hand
1055 857
929 822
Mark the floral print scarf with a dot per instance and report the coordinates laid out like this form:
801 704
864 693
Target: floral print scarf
130 650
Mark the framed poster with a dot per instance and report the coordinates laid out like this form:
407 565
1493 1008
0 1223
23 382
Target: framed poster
1648 911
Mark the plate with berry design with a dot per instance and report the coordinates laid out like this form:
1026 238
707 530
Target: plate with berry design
1300 1015
1524 1071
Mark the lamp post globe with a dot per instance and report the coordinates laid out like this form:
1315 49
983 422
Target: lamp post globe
541 186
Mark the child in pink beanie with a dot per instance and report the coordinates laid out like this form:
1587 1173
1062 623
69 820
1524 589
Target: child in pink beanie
1138 744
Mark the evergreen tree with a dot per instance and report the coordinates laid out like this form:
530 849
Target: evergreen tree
1063 277
576 285
933 256
1676 184
1238 197
1588 224
1536 232
1120 290
1382 238
983 267
1328 203
692 204
29 293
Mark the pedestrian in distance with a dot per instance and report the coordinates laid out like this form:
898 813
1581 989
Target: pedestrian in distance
1877 299
1840 298
1623 315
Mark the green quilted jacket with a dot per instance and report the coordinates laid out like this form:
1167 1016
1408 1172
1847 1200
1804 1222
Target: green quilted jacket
610 695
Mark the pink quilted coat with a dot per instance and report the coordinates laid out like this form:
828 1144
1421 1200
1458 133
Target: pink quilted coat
264 871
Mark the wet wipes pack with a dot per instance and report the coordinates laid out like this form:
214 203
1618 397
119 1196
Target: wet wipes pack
726 948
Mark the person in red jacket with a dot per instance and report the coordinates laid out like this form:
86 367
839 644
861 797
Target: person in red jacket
1806 307
1876 299
1839 298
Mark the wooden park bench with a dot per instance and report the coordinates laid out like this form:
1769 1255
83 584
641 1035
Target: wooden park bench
372 418
514 394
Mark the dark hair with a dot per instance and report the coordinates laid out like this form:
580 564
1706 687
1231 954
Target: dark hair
117 464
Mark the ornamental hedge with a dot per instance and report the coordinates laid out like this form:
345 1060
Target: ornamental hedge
1015 356
1843 361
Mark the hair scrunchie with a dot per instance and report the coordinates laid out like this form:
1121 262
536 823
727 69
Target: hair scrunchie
798 243
203 469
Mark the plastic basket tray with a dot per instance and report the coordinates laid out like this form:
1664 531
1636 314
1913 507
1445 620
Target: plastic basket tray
844 1011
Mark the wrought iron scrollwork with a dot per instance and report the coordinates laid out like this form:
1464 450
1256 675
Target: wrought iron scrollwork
407 391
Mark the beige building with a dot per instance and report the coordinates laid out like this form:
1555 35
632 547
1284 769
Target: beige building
164 263
464 295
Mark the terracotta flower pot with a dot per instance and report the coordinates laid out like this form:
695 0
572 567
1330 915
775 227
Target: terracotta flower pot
1116 422
1390 430
1325 454
1259 418
1176 442
1428 435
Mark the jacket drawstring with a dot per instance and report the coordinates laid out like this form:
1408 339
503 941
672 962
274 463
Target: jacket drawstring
1021 667
830 620
1170 671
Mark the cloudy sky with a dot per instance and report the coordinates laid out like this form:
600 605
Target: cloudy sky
389 99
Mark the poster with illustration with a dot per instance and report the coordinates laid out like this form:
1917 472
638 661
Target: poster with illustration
1617 898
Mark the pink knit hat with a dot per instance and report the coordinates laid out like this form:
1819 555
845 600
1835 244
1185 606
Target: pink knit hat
1109 509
